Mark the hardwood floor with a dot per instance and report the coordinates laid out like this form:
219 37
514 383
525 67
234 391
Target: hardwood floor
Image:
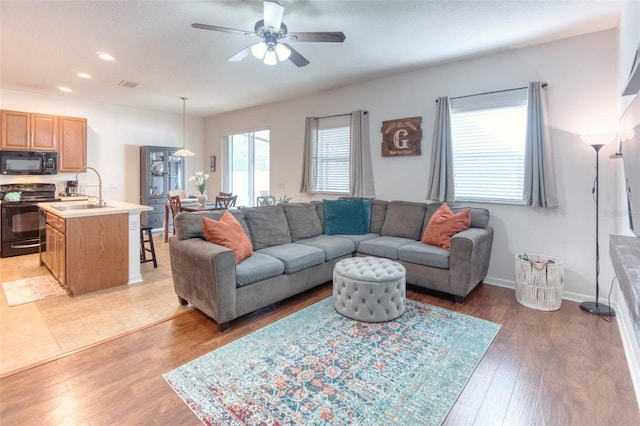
544 368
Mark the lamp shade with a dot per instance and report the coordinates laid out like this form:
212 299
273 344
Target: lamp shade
283 52
259 49
183 152
598 138
270 57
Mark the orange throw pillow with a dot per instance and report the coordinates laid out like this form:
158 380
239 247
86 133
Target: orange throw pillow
444 224
229 233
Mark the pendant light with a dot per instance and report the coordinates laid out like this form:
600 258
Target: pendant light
184 152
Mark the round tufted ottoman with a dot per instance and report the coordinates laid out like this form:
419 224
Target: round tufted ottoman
369 289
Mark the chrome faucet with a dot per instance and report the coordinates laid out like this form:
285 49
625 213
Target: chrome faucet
101 202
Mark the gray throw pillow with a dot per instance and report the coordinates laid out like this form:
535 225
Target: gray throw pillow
303 219
268 225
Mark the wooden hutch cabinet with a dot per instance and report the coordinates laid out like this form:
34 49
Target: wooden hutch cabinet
160 172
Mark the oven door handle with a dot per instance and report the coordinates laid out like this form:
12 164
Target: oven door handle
23 246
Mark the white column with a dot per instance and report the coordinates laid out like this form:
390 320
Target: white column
134 248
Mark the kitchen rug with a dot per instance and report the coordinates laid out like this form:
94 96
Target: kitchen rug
31 289
318 367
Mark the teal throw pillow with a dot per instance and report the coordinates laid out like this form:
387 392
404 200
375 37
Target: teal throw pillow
345 216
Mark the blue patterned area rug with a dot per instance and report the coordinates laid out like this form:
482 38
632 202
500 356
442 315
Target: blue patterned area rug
318 367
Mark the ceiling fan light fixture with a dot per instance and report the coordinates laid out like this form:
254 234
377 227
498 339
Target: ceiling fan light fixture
259 49
270 57
283 52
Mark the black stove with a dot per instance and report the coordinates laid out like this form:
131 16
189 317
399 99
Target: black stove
22 225
30 192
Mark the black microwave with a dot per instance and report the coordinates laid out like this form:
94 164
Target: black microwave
28 163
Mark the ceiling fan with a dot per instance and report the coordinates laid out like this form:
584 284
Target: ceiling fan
273 33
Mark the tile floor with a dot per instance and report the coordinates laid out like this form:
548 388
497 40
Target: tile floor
48 328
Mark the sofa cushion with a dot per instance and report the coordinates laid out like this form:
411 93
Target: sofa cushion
383 246
357 239
189 224
295 257
227 232
257 268
344 216
268 225
332 245
444 224
424 254
303 220
319 205
479 216
378 211
403 219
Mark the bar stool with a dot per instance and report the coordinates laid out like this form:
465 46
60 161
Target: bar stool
146 231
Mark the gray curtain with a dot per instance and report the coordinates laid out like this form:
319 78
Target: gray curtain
361 171
539 177
441 175
310 134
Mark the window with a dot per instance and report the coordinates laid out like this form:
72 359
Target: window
247 166
331 155
488 144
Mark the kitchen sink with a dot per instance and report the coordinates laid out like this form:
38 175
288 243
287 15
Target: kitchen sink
80 207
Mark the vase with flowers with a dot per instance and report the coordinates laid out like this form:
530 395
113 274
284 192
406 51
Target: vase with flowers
199 179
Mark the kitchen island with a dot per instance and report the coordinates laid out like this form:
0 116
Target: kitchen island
91 248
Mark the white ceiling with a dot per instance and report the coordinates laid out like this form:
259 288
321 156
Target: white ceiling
43 45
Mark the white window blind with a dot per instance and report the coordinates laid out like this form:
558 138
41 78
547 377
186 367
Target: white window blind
331 153
488 142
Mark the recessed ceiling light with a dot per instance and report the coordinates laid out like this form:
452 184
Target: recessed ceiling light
106 57
83 75
64 89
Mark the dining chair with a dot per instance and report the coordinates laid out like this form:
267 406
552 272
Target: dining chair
225 194
226 202
181 192
176 207
266 200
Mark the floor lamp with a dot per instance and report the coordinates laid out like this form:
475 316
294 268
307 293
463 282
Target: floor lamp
597 308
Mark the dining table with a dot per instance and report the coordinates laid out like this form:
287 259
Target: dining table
187 205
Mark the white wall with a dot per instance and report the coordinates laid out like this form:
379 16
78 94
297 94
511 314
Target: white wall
114 135
582 77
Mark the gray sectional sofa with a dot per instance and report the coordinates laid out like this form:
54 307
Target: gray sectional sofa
293 254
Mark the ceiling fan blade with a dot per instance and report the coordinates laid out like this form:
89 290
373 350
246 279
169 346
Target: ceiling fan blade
272 15
241 54
296 57
323 37
222 29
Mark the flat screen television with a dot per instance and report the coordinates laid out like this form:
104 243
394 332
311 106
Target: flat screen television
630 137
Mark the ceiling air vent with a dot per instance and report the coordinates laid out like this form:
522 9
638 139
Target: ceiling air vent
125 83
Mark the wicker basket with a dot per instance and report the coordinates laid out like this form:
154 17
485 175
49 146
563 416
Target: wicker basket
539 281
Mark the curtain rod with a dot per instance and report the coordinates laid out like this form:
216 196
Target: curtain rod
494 91
338 115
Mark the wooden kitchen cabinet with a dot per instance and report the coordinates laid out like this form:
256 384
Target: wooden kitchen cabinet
54 256
29 131
72 145
87 253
